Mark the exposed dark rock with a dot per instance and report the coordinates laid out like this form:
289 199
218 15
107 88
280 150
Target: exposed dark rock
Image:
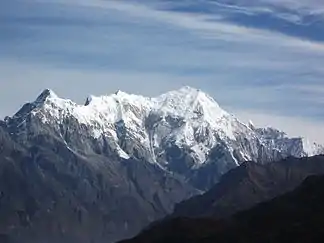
249 184
297 216
49 193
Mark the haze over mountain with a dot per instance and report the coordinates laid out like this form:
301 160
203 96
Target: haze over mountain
73 172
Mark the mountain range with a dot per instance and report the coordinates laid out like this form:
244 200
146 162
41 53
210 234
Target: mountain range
101 171
183 131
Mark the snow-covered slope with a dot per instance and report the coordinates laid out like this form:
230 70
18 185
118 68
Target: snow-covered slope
182 131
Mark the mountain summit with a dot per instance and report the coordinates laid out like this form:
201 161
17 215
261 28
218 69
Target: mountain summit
183 131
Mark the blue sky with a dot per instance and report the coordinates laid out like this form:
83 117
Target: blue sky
260 59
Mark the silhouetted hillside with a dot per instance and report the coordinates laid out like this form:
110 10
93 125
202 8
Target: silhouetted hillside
297 216
249 184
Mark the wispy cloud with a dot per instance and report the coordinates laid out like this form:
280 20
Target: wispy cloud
313 5
203 24
151 46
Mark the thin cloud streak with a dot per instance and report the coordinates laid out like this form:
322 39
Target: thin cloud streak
145 49
203 24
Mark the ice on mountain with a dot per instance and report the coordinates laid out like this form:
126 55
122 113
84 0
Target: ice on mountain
187 117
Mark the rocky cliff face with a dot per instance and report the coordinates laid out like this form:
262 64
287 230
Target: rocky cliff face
50 193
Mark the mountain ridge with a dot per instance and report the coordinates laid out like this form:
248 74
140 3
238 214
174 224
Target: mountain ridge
181 131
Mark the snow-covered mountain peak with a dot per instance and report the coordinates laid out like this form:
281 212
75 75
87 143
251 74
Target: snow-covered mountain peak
48 99
46 94
190 103
187 118
187 102
123 105
119 97
51 103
